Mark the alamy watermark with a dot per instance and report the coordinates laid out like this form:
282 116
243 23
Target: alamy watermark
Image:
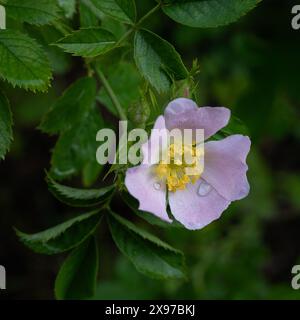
2 18
295 283
161 146
296 17
2 278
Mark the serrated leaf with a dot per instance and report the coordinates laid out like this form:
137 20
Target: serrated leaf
77 147
122 10
207 13
125 80
6 134
78 274
79 197
157 60
63 237
77 120
150 255
22 61
68 6
60 62
88 43
133 204
71 107
32 11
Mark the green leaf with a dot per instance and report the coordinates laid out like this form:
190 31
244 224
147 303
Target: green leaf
235 126
117 28
32 11
68 6
88 16
59 61
88 43
157 60
125 80
91 173
78 275
22 61
122 10
207 13
79 197
63 237
71 107
150 255
6 134
133 204
77 147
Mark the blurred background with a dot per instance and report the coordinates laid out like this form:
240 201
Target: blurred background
253 68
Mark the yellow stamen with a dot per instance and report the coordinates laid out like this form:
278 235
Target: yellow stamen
175 174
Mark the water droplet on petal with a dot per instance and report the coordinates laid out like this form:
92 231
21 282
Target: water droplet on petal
157 186
204 189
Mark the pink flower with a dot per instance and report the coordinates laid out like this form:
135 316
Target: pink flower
193 202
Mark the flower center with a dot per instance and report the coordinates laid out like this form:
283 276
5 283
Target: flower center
180 167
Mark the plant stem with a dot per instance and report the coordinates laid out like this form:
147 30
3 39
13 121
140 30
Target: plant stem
103 79
63 28
111 94
126 35
148 14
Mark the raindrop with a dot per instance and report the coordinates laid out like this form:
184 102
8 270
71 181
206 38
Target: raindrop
157 186
204 189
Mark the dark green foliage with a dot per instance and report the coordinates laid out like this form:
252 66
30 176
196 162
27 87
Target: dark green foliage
133 73
79 197
149 254
5 125
22 61
78 274
64 236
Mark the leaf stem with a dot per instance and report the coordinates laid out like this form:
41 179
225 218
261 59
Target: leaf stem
63 28
148 14
111 94
103 79
126 35
136 26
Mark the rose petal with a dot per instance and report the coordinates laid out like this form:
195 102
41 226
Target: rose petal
195 211
142 184
225 166
184 113
152 148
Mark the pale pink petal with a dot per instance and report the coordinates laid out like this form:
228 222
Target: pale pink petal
193 210
225 166
142 184
184 113
152 148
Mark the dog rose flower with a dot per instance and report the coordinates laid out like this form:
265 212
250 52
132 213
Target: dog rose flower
195 201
